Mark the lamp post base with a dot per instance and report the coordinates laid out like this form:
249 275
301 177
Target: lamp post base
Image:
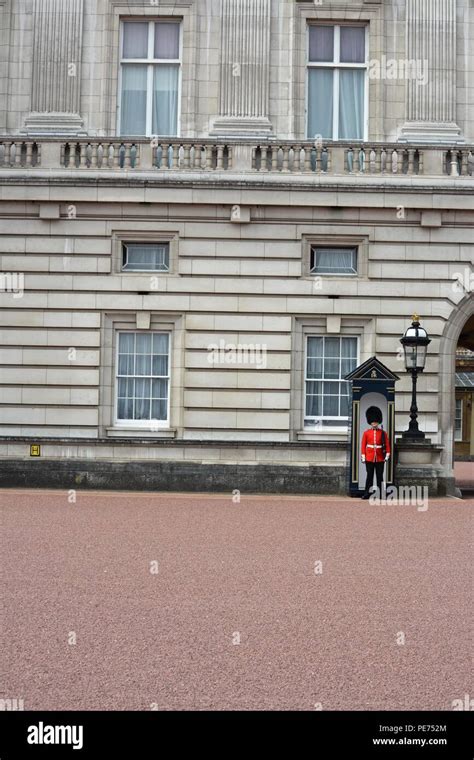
413 435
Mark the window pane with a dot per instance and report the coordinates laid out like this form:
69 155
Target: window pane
313 406
347 365
331 370
321 43
159 389
165 99
126 343
352 44
135 40
351 104
160 343
332 347
146 257
314 389
331 406
320 102
133 113
314 368
349 348
159 410
126 387
334 261
125 409
126 364
142 399
166 40
160 365
344 408
315 347
143 343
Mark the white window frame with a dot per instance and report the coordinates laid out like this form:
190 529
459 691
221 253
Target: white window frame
318 426
151 62
336 66
146 424
314 273
126 243
460 431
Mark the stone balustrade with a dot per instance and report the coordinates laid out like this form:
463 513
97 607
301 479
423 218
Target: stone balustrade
257 157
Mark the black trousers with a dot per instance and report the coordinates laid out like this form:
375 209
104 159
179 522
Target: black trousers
378 468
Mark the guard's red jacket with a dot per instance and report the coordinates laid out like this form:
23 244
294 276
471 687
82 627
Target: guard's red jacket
371 446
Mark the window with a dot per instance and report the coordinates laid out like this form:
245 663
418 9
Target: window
328 360
145 257
337 82
333 260
458 420
150 74
143 378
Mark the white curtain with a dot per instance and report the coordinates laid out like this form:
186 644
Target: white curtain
135 40
320 102
133 110
165 99
352 44
334 261
321 43
351 104
166 40
146 257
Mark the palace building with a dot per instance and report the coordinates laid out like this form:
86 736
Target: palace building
211 212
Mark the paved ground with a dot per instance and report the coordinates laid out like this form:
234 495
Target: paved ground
230 572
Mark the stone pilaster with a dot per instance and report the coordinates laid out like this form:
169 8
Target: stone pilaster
57 55
244 67
431 46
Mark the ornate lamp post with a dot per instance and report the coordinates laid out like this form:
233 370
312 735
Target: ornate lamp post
414 342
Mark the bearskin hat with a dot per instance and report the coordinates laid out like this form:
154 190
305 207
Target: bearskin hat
374 414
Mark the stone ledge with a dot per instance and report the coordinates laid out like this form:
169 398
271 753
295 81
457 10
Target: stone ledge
173 476
211 443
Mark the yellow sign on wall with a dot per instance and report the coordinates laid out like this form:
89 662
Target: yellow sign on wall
35 450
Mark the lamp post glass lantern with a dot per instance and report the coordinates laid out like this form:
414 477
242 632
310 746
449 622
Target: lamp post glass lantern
415 343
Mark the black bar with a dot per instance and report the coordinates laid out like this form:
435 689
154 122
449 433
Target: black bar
414 734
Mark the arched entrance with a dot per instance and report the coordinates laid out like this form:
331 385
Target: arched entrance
454 329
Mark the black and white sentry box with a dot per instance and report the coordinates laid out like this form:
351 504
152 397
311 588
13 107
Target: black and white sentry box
373 384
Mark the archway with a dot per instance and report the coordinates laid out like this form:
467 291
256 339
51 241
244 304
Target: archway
455 327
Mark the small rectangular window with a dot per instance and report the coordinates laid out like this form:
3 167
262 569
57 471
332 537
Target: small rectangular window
335 261
146 257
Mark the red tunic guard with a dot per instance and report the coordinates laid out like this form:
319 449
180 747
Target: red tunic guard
371 445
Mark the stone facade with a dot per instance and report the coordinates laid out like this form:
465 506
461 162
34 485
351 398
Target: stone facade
240 195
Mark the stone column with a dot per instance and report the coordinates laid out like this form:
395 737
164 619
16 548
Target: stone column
244 68
57 56
431 50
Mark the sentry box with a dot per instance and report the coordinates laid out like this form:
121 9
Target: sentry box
373 384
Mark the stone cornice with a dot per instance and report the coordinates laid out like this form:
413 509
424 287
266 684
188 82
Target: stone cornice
293 183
